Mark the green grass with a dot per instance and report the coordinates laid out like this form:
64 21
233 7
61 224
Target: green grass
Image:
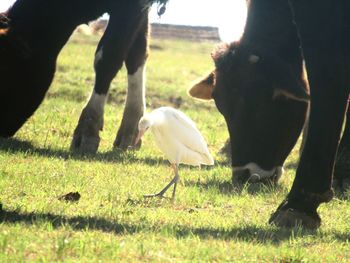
210 221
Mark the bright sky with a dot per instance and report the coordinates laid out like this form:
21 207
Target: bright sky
228 15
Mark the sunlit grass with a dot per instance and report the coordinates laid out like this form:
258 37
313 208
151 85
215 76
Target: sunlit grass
210 221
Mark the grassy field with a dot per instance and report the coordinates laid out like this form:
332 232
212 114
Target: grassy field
210 220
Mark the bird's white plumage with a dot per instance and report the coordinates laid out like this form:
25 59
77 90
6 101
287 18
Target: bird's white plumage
178 137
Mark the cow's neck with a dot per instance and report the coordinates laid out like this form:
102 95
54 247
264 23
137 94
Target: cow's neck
270 24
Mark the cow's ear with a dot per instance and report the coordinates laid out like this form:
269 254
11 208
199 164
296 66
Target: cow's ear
204 88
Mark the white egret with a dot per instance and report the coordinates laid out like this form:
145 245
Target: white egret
178 138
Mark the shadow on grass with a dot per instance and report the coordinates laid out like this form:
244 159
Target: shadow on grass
241 233
13 145
227 188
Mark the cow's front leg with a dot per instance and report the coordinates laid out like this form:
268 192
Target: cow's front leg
112 51
327 65
135 104
108 61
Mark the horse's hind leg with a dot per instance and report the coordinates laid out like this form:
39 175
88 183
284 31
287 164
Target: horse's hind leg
112 51
135 101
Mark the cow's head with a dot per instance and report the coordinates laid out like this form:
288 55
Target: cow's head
264 104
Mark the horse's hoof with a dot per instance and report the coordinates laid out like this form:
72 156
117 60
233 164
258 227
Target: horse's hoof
290 218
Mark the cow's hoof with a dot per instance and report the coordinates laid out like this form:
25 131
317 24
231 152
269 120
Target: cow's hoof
137 146
128 129
289 218
86 137
126 137
85 144
126 143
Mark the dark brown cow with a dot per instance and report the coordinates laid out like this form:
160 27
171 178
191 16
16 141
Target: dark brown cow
265 117
33 32
260 90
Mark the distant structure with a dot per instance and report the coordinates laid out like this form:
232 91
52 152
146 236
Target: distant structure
196 33
169 31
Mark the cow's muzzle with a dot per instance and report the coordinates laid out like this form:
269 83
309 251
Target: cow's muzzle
252 173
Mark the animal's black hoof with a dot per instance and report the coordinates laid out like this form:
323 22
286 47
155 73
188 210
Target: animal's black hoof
126 142
128 129
137 146
86 137
84 144
289 218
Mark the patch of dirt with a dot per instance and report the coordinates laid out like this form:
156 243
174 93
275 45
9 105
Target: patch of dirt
70 197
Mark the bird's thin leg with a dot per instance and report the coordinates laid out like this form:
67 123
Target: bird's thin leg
177 177
161 193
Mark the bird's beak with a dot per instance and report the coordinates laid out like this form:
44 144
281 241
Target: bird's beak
139 136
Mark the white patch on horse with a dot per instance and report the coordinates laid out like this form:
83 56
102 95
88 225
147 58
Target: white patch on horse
97 103
257 173
136 89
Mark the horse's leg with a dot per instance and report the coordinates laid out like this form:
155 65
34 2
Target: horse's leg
135 101
110 55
